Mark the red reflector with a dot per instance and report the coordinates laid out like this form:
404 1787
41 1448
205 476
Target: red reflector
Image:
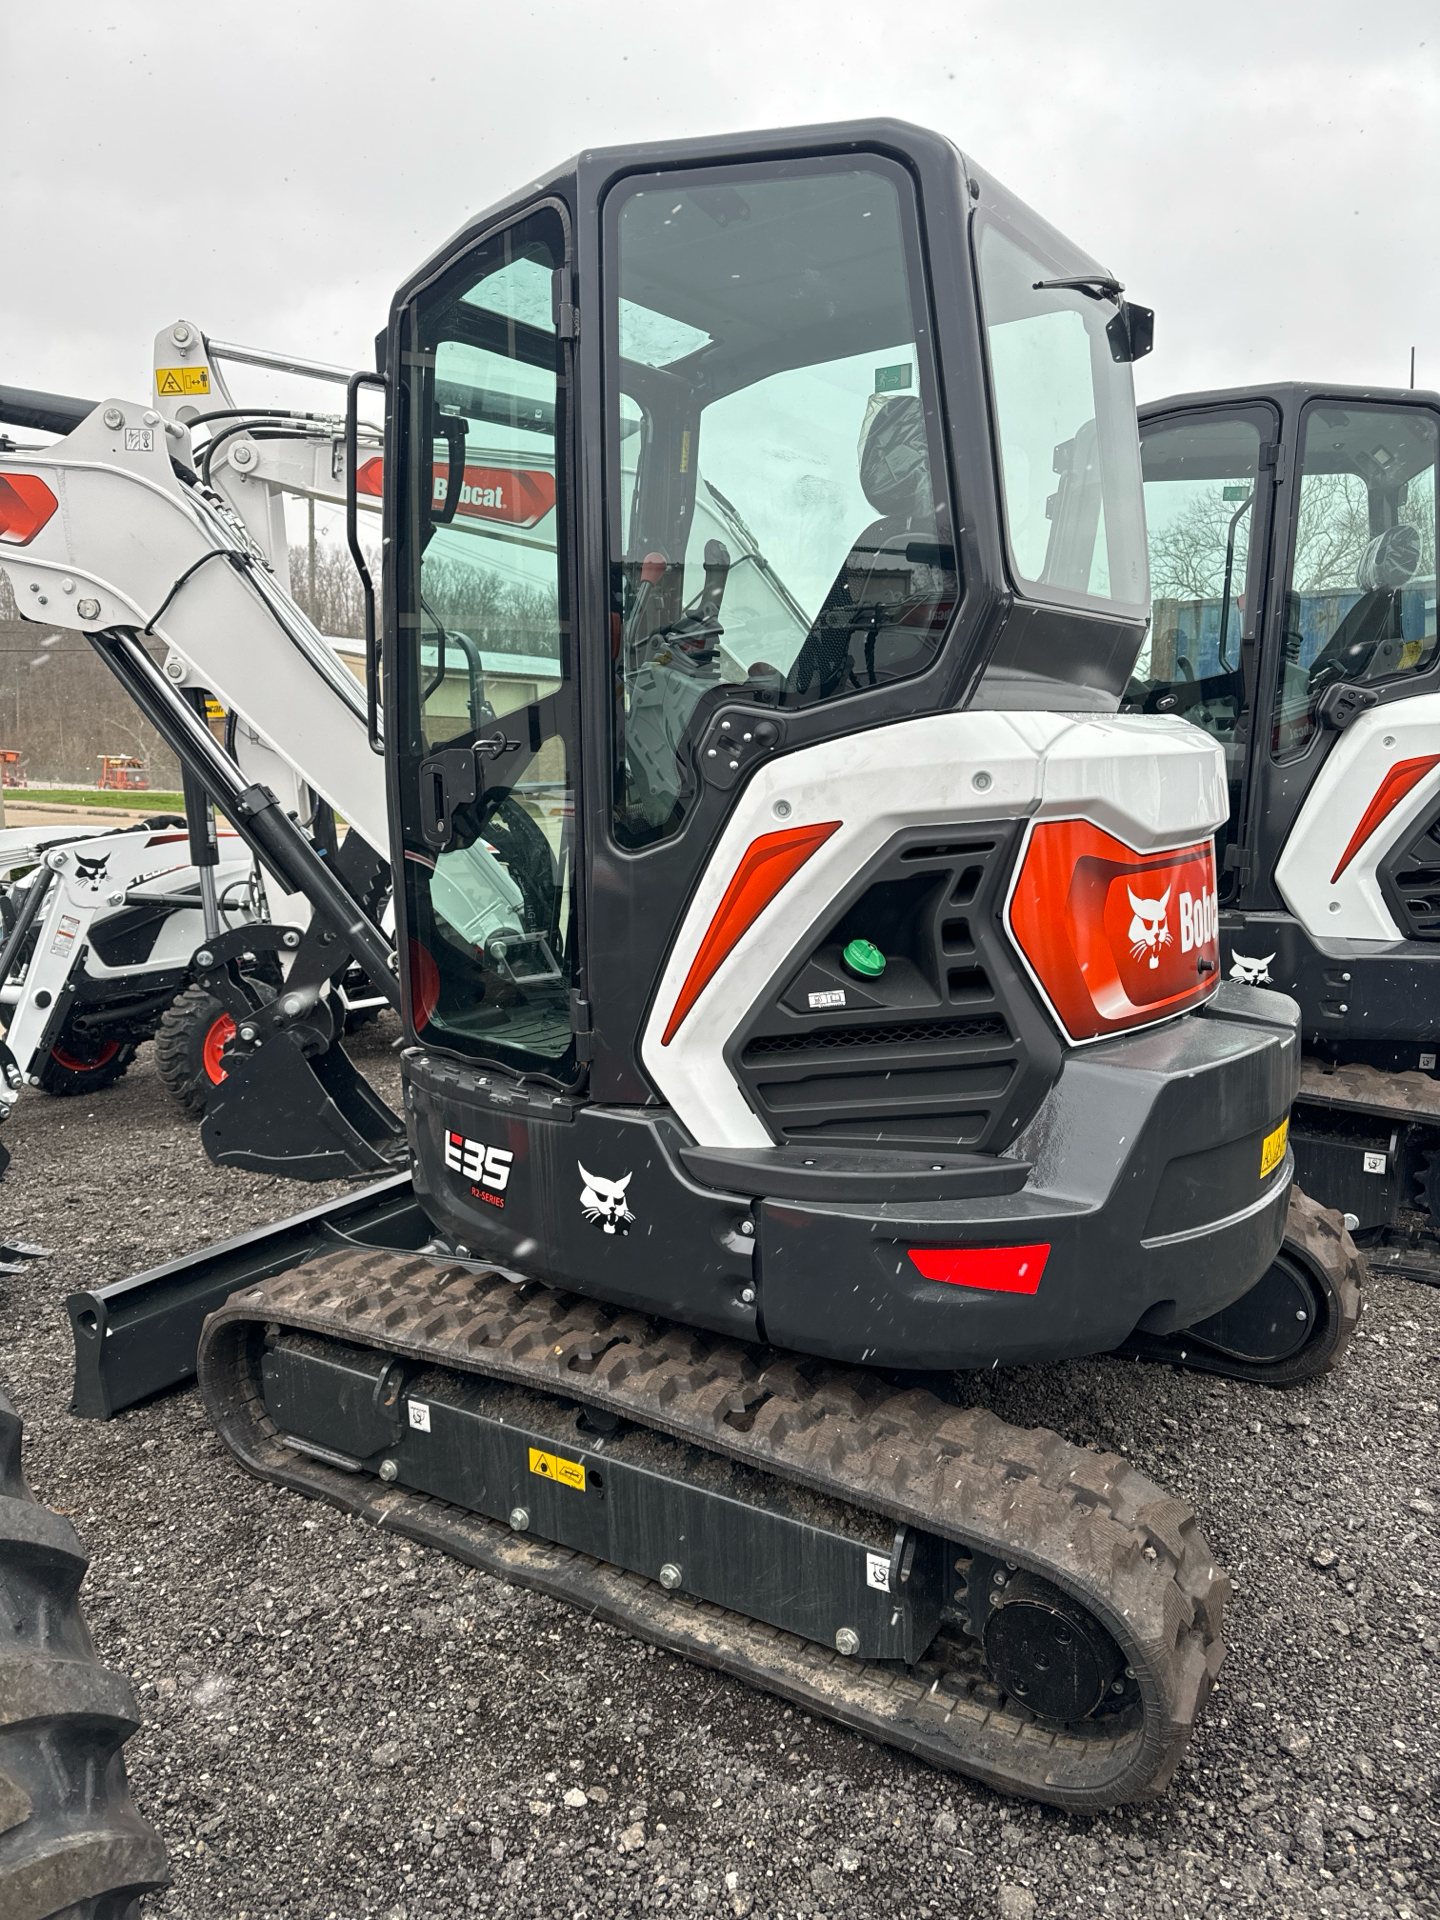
1116 938
1391 791
424 985
996 1269
370 478
766 866
26 503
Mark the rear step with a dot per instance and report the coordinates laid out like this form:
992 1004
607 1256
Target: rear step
521 1430
138 1336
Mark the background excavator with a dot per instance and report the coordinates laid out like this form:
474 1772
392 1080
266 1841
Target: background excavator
1292 558
811 996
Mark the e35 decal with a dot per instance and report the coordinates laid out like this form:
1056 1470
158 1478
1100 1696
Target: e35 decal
474 1161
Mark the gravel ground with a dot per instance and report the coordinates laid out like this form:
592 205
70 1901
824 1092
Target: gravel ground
338 1724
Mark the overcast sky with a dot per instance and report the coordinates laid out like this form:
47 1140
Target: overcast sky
1267 176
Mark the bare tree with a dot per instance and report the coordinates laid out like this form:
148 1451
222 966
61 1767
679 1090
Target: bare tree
499 615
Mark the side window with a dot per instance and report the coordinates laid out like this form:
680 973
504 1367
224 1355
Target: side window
1360 605
779 521
1200 483
487 759
1201 478
1065 416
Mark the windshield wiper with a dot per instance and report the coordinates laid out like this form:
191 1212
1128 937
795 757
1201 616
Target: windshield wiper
1099 286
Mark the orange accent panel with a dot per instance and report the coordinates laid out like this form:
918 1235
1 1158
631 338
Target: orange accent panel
1115 936
766 866
26 503
996 1269
1391 791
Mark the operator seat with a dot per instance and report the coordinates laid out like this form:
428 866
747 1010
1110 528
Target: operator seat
1385 568
898 574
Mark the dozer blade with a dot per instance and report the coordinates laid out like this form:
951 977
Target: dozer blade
139 1336
600 1457
307 1117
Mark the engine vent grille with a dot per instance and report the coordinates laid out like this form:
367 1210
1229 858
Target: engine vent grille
915 1033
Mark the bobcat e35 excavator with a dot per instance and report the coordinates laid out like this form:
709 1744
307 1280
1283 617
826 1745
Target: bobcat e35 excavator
1292 559
814 991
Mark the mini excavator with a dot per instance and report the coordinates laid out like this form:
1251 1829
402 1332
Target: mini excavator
1292 559
813 992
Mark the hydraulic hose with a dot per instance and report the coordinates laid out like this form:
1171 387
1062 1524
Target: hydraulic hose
253 810
25 919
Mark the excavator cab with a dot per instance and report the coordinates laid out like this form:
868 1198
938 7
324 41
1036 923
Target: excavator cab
705 436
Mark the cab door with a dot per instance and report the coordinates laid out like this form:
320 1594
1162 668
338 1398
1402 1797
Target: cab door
1209 493
480 682
1351 622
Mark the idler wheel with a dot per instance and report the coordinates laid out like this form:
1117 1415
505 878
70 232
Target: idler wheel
1048 1653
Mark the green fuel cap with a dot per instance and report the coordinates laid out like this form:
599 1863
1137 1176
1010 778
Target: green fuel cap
865 958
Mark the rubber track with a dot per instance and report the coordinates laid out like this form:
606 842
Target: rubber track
1318 1236
71 1841
1090 1522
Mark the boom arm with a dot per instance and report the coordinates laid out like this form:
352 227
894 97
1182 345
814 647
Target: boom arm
127 544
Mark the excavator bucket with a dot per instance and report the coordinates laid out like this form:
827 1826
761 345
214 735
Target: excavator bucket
307 1116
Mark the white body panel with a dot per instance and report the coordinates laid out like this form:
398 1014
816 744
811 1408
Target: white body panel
1353 907
1153 782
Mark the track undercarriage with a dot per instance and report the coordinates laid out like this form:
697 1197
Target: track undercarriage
996 1601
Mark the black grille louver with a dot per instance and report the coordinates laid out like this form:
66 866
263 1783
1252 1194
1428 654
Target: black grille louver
907 1034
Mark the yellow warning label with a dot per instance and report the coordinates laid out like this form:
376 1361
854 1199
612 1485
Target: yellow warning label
1272 1148
570 1473
171 381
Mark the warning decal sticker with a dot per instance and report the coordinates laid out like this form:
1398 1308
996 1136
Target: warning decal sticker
171 382
1272 1148
570 1473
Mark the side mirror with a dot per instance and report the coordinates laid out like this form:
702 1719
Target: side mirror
1132 332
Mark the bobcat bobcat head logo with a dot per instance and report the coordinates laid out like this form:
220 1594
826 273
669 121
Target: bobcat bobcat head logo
1250 973
1149 930
91 870
603 1202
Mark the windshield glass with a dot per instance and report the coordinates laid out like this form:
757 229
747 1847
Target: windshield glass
1361 599
1065 411
778 507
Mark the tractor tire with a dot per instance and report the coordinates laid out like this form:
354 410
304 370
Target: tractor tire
72 1844
83 1063
188 1045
